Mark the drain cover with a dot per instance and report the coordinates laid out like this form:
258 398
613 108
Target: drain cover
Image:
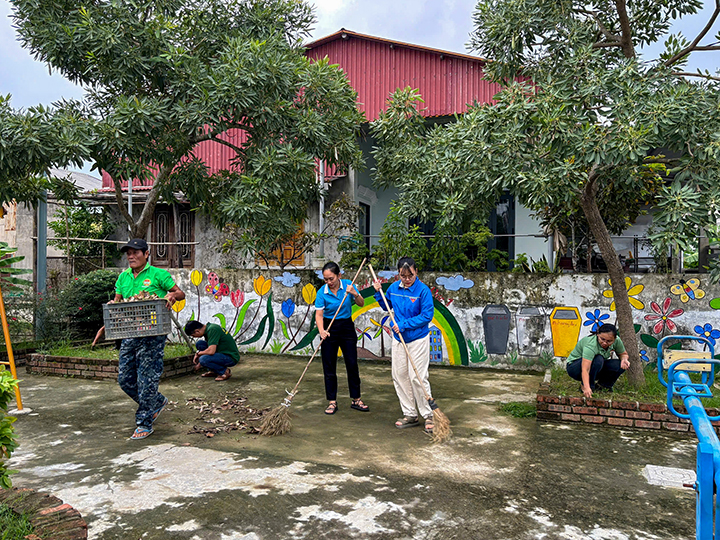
668 476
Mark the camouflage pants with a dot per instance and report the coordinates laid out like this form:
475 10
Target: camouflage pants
139 370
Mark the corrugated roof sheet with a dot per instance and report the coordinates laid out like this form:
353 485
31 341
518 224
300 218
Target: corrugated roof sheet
376 67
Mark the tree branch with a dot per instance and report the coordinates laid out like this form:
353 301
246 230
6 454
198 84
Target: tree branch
626 36
228 144
605 32
140 228
120 202
693 46
700 75
607 44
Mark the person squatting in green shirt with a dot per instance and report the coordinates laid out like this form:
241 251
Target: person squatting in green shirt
590 361
218 352
141 359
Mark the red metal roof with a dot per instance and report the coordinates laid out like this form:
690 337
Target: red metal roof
376 67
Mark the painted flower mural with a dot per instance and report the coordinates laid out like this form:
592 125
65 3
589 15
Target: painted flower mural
288 307
238 299
708 332
179 306
632 292
663 316
196 277
309 293
595 319
262 285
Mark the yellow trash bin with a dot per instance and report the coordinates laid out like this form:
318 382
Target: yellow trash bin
565 324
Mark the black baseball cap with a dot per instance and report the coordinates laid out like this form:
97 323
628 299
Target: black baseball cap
135 243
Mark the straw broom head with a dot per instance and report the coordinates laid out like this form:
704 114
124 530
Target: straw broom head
277 421
442 431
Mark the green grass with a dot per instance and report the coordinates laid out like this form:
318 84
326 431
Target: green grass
519 409
172 350
652 392
13 526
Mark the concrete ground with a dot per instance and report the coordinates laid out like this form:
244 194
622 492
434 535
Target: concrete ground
351 475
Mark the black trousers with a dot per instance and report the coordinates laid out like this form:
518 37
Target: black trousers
342 335
602 372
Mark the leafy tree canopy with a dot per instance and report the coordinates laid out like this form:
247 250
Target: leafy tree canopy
581 122
162 76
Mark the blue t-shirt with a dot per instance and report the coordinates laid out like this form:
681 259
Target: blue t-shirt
329 302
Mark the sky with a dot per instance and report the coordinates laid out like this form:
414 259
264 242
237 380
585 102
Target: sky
440 24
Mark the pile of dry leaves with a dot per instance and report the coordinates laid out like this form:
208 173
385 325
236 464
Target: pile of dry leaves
229 415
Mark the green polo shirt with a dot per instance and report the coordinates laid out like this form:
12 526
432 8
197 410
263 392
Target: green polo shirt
150 279
588 347
215 335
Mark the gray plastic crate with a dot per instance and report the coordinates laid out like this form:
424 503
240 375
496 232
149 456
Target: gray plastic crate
136 319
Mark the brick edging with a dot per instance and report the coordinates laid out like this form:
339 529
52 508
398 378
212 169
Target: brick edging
623 414
96 368
50 518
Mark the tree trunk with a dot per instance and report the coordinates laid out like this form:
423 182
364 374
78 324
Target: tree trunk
139 229
626 325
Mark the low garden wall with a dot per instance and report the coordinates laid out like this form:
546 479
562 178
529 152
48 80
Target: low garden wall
20 356
95 368
608 412
50 518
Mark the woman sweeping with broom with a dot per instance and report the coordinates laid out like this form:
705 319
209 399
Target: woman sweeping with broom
412 303
328 306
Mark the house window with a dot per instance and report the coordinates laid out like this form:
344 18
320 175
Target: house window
185 235
364 223
161 251
502 225
173 231
292 253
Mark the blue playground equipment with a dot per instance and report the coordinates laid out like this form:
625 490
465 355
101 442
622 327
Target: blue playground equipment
679 364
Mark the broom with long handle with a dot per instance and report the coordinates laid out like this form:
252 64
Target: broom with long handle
441 431
277 421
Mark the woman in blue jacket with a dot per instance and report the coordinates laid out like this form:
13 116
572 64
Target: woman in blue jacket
412 304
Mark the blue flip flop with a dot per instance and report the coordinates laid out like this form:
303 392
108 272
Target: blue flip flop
159 410
141 432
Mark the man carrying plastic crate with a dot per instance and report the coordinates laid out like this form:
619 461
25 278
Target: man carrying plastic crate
141 358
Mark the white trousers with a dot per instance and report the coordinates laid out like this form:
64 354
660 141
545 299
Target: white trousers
408 386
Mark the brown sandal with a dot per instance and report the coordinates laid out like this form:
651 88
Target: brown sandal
209 374
406 422
225 376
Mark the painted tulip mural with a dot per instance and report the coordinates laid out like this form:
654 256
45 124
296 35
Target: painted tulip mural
309 293
247 312
196 277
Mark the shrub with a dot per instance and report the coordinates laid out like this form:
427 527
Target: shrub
7 433
353 250
81 301
398 240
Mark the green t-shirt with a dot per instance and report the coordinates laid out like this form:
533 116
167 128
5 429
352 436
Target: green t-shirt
588 347
150 279
215 335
